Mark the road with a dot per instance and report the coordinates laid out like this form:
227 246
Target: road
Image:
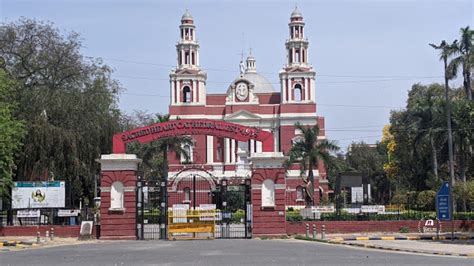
218 252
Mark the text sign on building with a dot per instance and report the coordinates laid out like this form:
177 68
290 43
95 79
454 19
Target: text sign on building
443 203
33 195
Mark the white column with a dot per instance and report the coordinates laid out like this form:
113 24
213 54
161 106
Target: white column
232 151
226 149
259 146
276 135
210 149
252 143
173 96
194 90
305 88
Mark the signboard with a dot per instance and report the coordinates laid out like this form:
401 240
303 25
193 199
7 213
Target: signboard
429 226
357 194
443 203
68 213
182 127
27 195
28 213
372 208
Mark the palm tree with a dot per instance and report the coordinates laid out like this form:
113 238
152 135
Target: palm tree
465 58
308 151
446 51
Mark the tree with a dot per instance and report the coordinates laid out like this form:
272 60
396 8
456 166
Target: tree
308 151
464 51
369 160
445 51
68 103
11 133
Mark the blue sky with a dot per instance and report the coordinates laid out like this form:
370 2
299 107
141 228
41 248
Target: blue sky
366 53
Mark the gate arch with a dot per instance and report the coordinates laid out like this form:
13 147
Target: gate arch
217 128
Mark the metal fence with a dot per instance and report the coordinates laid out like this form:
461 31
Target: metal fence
46 217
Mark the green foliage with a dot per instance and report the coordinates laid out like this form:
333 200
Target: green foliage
237 216
426 200
293 216
419 132
369 159
308 151
68 103
465 192
11 133
404 230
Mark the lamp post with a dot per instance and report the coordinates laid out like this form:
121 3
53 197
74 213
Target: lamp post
408 203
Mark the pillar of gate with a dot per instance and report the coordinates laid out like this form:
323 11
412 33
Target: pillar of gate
268 194
118 196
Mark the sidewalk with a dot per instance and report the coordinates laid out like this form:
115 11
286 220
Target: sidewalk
23 242
463 248
463 244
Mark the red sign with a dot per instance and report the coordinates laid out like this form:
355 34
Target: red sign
173 128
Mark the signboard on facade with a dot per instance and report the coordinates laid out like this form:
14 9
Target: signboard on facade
28 195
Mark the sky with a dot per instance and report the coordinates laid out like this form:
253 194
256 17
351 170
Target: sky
367 54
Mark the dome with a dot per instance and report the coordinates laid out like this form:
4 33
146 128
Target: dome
296 13
187 16
261 84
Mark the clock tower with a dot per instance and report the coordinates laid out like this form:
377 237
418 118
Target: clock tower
187 80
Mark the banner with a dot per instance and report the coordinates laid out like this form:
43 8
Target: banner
31 195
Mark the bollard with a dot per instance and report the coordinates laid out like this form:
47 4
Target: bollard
38 237
46 236
323 231
314 232
52 233
307 230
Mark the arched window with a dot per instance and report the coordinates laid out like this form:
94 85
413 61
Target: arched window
186 94
187 194
299 193
268 193
116 196
297 93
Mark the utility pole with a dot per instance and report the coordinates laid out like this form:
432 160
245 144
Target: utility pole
450 143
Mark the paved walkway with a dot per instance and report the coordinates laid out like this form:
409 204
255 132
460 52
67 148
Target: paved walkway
443 247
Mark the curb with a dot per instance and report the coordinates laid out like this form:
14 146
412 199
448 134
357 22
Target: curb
21 244
335 242
470 255
365 238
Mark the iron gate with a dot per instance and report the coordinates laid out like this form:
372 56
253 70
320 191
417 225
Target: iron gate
234 211
150 210
231 201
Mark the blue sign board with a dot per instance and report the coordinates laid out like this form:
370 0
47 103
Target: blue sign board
443 203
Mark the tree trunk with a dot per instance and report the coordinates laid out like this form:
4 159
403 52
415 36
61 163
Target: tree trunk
310 187
435 158
467 82
462 170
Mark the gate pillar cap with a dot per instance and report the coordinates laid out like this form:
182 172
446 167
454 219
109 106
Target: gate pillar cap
267 159
118 162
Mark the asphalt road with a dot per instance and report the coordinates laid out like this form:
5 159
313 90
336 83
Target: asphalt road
218 252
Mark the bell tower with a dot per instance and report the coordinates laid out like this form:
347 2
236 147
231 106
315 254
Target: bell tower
297 76
187 81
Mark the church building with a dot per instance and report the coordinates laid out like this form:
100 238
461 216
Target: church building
250 100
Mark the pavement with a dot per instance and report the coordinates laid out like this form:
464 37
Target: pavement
220 252
462 245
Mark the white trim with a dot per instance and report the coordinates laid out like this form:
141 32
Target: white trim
118 162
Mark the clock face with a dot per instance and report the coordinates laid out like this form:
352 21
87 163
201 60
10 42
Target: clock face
242 91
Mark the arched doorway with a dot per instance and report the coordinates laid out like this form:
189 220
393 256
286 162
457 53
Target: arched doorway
192 188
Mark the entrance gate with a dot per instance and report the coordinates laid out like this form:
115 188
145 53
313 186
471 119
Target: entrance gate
191 201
